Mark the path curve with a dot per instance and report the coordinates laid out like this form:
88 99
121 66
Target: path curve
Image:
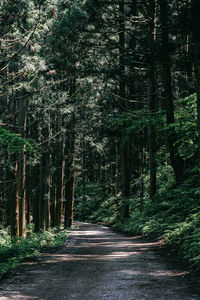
97 263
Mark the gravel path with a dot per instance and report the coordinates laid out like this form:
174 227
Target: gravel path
97 263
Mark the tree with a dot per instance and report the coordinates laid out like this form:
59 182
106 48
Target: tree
176 161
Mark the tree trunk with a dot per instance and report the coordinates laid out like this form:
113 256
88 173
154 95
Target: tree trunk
47 194
22 172
48 181
42 192
14 201
60 186
176 161
83 166
28 195
53 202
196 38
141 182
59 203
35 186
69 196
125 180
70 179
152 100
125 149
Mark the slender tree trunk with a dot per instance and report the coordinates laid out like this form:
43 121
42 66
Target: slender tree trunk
125 180
197 83
22 172
125 149
42 192
152 135
116 180
53 191
13 200
152 100
70 179
28 194
176 161
59 203
53 201
195 13
47 194
47 181
69 195
35 187
60 185
122 85
141 183
83 166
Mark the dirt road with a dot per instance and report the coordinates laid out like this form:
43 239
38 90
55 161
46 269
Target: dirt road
97 263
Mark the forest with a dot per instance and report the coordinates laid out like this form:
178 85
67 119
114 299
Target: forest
99 121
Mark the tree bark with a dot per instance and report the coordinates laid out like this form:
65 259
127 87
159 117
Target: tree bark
42 192
176 161
28 195
124 150
152 99
48 181
22 171
53 201
14 201
195 13
70 178
35 186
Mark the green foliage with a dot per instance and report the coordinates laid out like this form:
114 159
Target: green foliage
108 212
185 126
129 123
10 142
185 237
13 250
84 204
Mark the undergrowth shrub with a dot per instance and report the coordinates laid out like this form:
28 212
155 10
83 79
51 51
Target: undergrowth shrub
13 250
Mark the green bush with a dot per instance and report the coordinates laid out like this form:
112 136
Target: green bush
13 250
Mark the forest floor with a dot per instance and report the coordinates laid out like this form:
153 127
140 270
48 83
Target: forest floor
97 263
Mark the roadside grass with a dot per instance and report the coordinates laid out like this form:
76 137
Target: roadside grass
13 251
